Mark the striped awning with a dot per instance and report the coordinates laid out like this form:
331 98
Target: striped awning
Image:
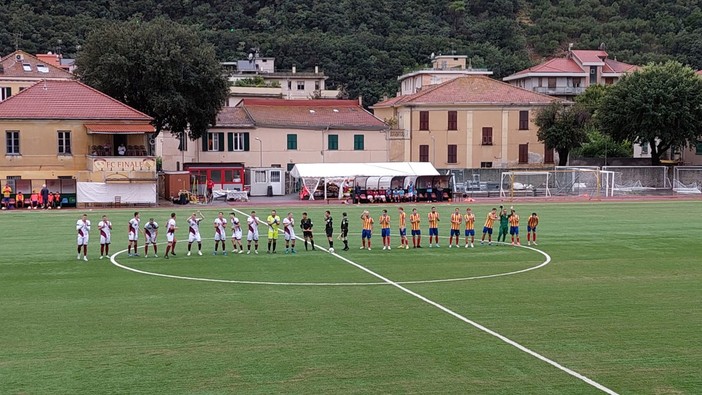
110 128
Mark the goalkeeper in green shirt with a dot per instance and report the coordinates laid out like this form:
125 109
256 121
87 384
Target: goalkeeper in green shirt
504 225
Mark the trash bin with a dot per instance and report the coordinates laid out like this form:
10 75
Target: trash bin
269 192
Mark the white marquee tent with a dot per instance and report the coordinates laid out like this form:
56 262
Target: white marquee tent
314 173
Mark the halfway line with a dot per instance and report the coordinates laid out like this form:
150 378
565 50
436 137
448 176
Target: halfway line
470 322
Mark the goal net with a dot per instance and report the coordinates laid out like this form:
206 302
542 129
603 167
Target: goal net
636 179
687 179
563 181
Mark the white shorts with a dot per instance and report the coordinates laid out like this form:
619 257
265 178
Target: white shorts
83 240
220 236
289 236
104 240
236 234
252 236
194 237
150 239
170 237
133 236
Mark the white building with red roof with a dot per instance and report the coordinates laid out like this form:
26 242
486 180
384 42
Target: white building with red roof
63 133
569 76
278 133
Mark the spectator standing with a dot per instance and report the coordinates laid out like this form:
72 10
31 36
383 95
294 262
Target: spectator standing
45 196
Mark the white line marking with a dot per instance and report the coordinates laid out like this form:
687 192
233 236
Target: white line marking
330 284
478 326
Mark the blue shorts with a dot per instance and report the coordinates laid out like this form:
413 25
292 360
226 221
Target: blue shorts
470 232
487 230
385 232
366 234
417 232
403 232
530 229
455 232
433 232
514 230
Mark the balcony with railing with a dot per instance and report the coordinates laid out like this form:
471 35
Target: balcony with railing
559 90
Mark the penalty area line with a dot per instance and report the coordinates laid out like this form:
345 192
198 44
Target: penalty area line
473 323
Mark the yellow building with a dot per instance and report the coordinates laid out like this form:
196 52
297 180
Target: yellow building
20 70
468 122
63 133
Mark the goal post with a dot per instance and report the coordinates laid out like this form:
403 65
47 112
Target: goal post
687 179
525 183
570 181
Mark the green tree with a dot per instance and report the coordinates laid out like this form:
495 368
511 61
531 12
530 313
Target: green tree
660 105
161 68
562 127
598 144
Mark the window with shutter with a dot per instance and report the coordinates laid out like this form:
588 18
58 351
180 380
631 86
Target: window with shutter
487 136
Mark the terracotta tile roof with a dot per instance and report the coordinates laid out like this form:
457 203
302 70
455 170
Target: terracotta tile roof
66 99
614 66
474 89
589 56
12 67
315 114
556 65
233 117
568 65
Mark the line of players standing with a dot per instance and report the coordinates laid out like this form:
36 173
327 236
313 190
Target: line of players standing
151 228
150 232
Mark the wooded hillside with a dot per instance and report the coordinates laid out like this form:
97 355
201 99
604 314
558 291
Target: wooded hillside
364 45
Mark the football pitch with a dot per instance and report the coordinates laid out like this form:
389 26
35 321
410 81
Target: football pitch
608 301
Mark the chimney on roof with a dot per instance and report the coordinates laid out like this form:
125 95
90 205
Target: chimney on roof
603 47
294 69
360 101
316 69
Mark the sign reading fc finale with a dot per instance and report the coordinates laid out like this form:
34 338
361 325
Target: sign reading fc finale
124 164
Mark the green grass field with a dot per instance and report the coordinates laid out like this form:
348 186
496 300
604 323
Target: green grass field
619 303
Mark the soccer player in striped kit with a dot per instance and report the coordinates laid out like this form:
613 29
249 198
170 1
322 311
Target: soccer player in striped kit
456 219
434 226
402 216
489 223
220 226
514 226
532 223
367 231
384 221
470 227
105 228
415 221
